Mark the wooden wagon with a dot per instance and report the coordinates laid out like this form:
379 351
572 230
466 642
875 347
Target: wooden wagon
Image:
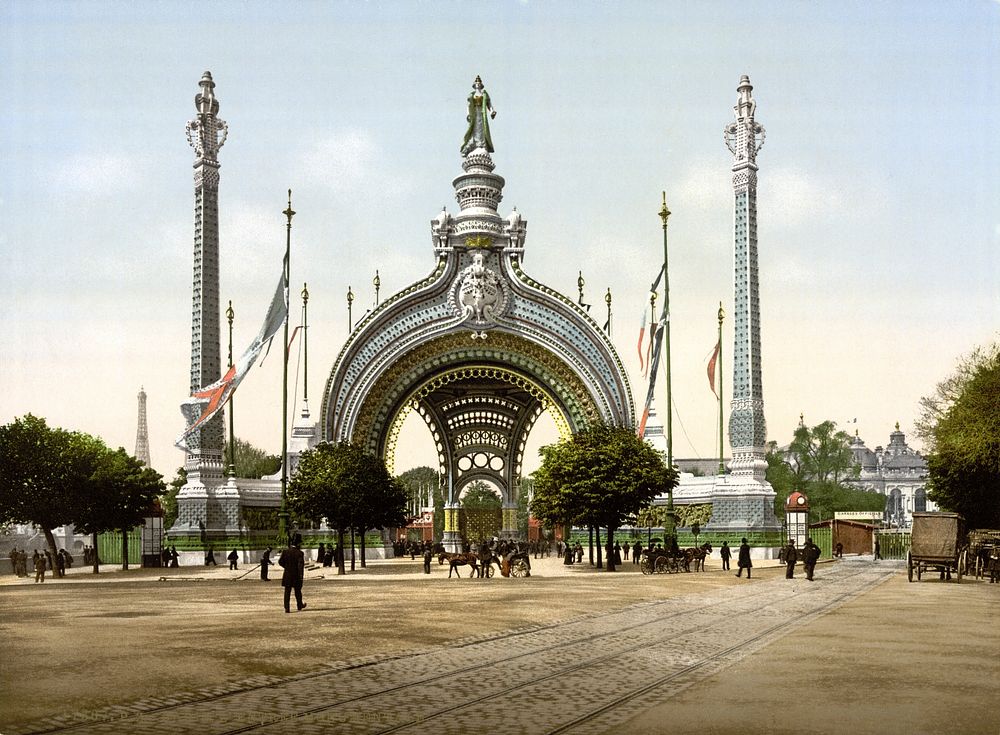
937 542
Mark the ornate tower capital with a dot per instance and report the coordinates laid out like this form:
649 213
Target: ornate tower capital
207 132
745 136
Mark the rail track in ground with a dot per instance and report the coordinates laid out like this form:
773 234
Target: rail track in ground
581 675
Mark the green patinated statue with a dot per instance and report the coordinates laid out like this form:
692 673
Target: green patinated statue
480 112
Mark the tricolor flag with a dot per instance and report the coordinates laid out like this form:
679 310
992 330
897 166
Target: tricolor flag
711 367
205 403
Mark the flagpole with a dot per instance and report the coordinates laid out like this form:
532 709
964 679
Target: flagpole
607 300
283 512
670 531
377 283
722 466
230 315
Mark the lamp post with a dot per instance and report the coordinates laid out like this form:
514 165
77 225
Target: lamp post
350 302
231 471
722 466
377 283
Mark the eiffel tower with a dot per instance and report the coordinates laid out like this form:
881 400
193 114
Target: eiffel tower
142 433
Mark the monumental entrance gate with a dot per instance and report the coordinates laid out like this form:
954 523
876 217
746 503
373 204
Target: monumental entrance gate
477 348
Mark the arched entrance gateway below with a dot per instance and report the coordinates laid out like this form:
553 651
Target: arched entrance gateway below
477 348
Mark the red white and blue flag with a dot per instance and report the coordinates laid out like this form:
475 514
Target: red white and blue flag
644 363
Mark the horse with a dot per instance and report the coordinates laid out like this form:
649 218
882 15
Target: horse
457 560
697 555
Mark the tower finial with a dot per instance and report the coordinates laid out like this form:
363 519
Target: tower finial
481 111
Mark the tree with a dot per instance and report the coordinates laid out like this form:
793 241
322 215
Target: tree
43 473
345 485
960 424
253 462
600 476
780 476
480 497
821 453
169 500
120 492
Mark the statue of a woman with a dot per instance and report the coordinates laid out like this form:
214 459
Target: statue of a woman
480 112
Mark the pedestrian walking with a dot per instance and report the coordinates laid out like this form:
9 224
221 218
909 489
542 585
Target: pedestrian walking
234 556
789 556
726 553
839 551
743 559
210 557
428 555
636 551
810 554
294 564
265 562
39 568
878 549
174 558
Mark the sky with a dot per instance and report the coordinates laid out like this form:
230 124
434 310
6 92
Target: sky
878 195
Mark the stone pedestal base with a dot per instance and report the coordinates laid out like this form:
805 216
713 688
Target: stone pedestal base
742 505
207 511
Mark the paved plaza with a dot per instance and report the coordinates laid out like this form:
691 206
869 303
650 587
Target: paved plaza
568 650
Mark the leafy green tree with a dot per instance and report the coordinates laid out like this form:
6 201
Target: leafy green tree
524 494
121 491
821 453
169 500
253 462
780 476
419 480
600 476
347 486
43 473
479 496
960 424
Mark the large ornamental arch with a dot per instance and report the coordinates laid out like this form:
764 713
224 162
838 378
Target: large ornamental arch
477 348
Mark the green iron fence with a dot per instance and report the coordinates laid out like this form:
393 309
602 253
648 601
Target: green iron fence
893 544
109 547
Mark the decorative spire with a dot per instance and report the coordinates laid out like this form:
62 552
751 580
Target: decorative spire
477 135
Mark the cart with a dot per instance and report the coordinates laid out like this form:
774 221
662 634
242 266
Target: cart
937 542
660 562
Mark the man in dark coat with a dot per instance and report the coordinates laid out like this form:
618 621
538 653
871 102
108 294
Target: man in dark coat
233 557
265 562
790 556
743 559
726 553
428 555
294 563
810 553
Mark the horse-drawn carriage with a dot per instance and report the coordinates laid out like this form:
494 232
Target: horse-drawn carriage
665 561
984 547
937 542
514 563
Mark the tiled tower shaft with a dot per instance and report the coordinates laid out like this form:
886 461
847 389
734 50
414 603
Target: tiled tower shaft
747 432
206 134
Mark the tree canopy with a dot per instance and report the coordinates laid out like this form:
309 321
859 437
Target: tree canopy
52 477
348 487
600 477
960 424
479 496
821 453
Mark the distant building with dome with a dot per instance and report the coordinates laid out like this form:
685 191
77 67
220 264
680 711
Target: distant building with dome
898 472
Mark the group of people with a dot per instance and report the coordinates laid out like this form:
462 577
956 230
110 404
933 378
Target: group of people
40 563
169 557
789 555
330 555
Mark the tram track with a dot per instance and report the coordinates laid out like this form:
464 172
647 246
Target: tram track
469 672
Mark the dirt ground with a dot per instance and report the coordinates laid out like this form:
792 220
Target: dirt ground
924 655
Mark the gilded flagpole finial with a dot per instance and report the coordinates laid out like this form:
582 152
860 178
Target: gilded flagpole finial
664 212
289 213
722 314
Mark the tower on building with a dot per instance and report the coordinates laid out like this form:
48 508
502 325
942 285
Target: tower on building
142 432
743 499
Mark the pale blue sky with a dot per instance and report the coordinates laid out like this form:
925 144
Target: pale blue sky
879 197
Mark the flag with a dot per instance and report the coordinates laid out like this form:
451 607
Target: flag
656 341
643 364
205 403
711 367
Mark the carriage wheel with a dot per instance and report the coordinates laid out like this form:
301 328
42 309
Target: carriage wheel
488 570
675 565
520 569
920 570
909 566
644 566
662 565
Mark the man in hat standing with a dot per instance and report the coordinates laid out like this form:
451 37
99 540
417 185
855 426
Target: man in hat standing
743 559
810 554
294 563
790 556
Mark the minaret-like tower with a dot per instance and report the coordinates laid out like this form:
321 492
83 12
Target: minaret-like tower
206 134
142 432
747 433
743 499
